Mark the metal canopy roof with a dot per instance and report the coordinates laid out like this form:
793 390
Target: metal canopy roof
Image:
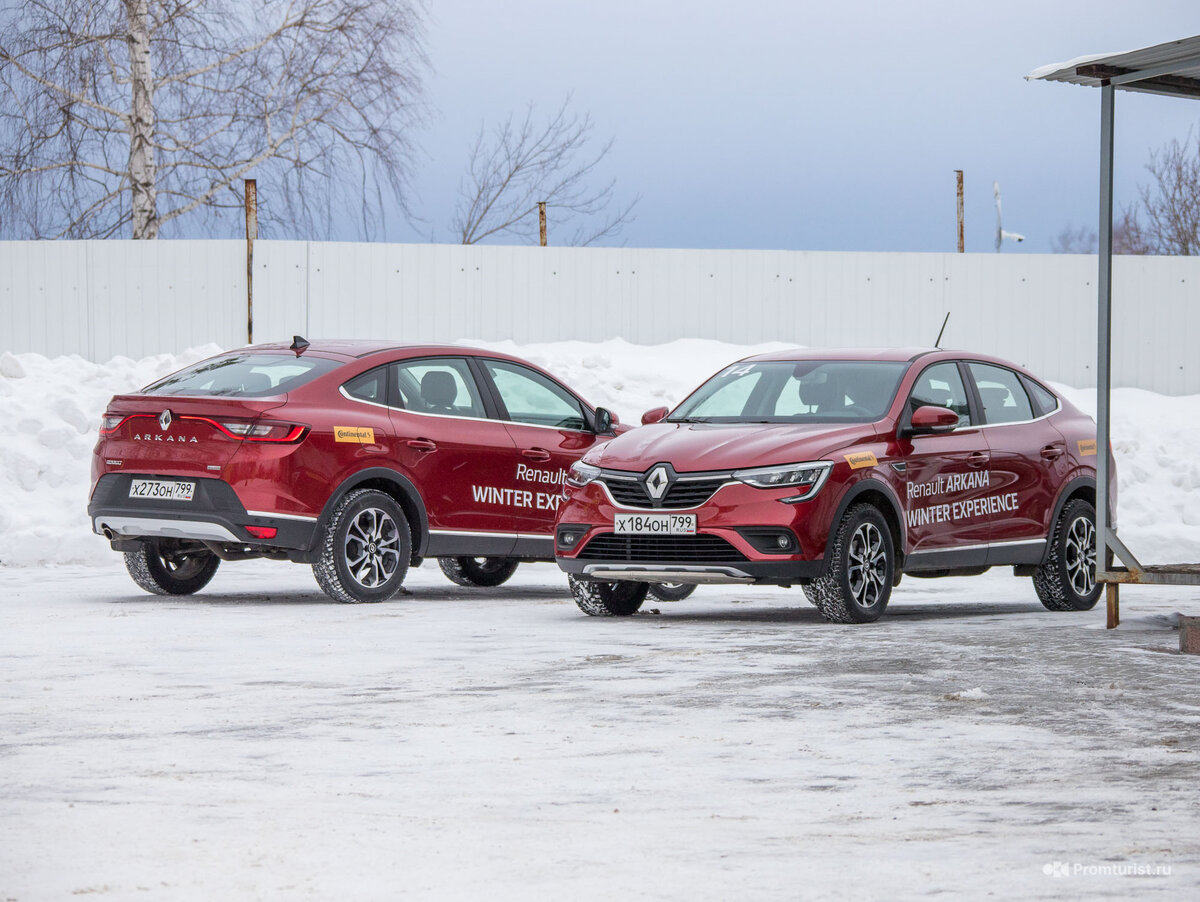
1172 68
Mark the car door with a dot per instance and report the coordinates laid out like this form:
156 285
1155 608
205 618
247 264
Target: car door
1026 454
550 431
456 452
945 477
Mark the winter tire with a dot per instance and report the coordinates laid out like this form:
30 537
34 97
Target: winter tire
618 599
1067 581
671 591
478 571
366 549
165 567
859 570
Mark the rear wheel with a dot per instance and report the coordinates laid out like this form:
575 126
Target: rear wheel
671 591
366 549
478 571
618 599
861 565
1067 581
170 567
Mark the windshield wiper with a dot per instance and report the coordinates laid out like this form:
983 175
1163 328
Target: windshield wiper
689 419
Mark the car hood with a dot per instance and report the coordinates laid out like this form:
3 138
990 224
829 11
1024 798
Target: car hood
691 447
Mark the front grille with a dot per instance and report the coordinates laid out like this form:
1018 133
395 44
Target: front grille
659 549
681 494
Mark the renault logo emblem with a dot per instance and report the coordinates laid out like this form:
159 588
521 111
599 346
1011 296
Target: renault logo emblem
657 483
164 419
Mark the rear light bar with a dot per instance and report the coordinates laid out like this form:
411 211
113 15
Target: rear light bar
238 430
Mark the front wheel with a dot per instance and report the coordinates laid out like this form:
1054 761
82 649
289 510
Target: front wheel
169 567
860 567
671 591
477 571
366 549
1067 581
618 599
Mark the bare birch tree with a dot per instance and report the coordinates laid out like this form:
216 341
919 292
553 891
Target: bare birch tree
516 164
139 116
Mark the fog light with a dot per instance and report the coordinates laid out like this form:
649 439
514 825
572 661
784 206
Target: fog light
783 542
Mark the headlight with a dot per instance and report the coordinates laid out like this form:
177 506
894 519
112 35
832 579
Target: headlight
808 477
581 474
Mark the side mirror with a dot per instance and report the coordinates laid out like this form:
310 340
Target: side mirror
605 420
653 416
931 420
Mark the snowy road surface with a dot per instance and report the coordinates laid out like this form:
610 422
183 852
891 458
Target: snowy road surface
256 741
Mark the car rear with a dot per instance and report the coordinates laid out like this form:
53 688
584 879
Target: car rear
187 457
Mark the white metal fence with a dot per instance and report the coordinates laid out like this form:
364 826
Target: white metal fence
104 298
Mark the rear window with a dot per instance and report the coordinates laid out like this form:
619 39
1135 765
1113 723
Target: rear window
243 376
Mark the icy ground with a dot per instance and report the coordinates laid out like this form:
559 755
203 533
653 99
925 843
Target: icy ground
256 741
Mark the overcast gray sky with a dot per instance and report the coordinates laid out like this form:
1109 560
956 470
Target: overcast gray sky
808 126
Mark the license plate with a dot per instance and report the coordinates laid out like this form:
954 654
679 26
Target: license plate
655 524
162 489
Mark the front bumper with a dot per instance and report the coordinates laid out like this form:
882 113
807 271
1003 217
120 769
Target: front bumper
215 514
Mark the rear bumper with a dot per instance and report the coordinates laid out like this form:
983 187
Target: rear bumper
213 515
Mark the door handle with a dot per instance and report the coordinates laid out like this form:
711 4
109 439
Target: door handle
978 458
536 454
421 444
1052 452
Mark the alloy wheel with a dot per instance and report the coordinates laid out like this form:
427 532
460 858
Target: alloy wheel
1079 555
372 548
867 565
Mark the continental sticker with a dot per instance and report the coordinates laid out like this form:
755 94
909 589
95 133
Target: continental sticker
360 435
1087 447
861 459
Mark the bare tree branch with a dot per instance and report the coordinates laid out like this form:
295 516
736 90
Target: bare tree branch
150 112
515 165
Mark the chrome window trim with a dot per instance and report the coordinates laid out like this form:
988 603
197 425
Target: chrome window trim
448 416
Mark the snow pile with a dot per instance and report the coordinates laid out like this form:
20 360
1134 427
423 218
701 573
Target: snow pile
51 412
52 408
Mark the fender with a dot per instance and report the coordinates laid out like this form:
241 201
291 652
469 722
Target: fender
1064 493
387 474
869 484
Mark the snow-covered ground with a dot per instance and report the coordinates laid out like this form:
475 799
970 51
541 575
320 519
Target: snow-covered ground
257 741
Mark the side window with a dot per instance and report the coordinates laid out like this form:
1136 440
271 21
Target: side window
370 386
1004 398
440 385
1042 397
529 397
941 386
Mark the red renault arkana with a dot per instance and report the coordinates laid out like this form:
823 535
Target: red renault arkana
839 471
357 457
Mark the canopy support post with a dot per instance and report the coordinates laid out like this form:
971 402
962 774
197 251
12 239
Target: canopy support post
1104 556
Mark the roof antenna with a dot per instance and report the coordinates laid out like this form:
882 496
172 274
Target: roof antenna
299 343
942 331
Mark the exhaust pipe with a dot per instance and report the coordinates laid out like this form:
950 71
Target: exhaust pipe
107 533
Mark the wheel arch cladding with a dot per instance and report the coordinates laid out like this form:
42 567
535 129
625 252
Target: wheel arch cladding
391 483
1080 487
880 495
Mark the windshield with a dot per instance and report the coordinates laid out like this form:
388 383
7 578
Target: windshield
243 376
787 391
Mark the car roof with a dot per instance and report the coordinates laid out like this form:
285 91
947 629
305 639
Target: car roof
355 348
895 355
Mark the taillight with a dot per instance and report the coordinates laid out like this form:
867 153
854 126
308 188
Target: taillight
110 422
249 431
